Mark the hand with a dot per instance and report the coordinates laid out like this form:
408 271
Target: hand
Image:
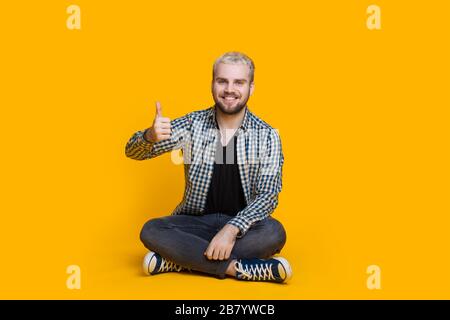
223 242
161 129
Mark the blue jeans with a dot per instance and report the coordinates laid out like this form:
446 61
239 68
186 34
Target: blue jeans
183 239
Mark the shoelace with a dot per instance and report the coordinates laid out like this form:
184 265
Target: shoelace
169 266
256 271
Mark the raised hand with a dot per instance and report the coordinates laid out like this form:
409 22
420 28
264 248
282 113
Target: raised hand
160 129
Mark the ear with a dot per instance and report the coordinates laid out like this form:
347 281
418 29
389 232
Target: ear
252 87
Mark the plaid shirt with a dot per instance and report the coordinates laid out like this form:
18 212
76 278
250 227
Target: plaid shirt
259 155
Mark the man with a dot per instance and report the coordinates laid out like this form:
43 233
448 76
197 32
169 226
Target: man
233 170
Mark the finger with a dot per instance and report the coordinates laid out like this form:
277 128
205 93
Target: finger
163 131
208 252
227 254
163 119
216 253
164 125
158 109
222 254
164 136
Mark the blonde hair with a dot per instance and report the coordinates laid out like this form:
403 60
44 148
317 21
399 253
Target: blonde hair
235 57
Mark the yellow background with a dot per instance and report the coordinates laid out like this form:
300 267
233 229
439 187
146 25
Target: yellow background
363 116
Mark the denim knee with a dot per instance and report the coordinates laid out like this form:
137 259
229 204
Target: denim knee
269 238
150 230
277 232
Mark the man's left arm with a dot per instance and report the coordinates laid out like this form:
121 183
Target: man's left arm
268 186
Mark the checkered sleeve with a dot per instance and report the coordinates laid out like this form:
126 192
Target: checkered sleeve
268 186
138 148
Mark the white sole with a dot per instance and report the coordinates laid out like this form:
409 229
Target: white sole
146 263
287 267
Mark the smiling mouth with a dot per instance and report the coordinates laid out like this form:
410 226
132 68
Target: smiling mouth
229 98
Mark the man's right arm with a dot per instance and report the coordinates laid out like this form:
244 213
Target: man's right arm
163 136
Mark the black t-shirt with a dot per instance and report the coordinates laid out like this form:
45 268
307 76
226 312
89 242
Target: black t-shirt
225 194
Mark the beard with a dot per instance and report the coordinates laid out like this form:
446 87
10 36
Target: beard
230 110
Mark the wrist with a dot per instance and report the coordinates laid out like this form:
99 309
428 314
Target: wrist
233 229
147 136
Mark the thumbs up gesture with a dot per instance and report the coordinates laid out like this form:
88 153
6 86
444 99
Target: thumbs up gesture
161 129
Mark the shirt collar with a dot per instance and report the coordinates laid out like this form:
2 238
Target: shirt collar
244 124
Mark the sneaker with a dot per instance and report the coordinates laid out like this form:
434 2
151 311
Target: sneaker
153 264
274 269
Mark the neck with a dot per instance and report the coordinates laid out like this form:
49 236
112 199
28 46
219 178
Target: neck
229 121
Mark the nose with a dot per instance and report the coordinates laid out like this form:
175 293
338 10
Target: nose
229 88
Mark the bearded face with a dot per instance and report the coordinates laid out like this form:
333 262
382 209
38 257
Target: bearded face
231 87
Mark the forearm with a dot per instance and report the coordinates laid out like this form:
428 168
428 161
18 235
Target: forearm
141 145
138 147
268 186
259 209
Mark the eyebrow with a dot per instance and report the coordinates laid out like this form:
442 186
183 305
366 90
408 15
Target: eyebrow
242 80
